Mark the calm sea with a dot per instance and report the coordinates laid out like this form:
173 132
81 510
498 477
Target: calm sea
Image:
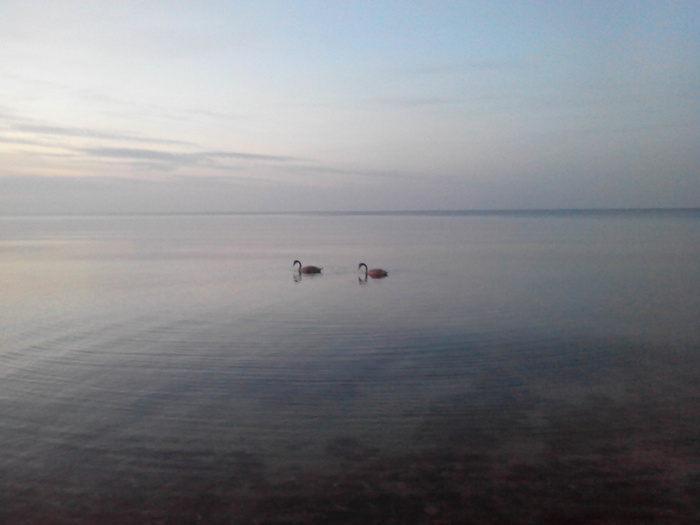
512 368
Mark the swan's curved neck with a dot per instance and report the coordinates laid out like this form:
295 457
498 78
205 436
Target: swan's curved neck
366 269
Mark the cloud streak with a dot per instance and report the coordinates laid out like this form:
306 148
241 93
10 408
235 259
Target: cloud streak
62 131
172 160
25 131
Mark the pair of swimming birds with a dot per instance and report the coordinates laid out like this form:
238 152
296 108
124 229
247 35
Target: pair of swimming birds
374 272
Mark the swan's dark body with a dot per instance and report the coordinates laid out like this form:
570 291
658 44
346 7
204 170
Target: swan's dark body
374 273
307 269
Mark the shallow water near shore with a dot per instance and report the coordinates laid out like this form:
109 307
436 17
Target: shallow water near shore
512 368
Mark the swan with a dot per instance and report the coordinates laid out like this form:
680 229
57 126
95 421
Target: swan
375 273
307 269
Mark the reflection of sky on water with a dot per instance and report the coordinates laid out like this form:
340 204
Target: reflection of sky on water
140 342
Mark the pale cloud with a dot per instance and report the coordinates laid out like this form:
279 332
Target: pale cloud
62 131
172 160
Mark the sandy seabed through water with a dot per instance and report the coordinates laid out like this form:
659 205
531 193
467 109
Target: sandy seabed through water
632 458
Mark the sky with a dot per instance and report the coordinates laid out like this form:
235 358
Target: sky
214 106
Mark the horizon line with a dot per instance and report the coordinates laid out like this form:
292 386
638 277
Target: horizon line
427 212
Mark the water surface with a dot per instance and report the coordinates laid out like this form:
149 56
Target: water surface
513 368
